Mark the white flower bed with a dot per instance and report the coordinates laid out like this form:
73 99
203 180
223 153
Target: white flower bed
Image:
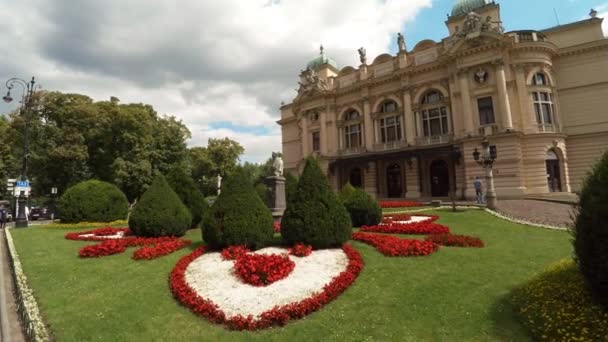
35 328
118 235
413 219
212 278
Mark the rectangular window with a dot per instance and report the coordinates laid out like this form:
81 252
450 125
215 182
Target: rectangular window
543 108
316 141
486 111
435 122
390 129
353 135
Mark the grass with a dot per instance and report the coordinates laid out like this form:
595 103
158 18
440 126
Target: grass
453 295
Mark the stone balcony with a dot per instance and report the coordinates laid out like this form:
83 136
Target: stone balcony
349 151
548 128
389 146
435 139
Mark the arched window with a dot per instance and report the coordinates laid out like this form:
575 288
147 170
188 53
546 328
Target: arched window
434 115
352 129
389 124
543 103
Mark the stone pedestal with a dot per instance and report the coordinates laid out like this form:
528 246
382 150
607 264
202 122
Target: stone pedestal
276 202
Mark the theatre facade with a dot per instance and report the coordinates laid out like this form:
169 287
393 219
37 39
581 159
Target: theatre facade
406 125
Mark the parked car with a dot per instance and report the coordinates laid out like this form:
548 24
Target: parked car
40 213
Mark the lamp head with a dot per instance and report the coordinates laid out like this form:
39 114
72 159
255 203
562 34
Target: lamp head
476 155
7 98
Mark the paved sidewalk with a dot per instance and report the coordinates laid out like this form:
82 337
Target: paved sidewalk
536 211
15 332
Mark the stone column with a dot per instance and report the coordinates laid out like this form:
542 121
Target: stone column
412 179
305 138
368 126
323 132
503 96
409 118
465 98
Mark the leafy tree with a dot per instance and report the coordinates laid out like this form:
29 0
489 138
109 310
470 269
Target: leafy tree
160 212
8 160
238 216
186 189
93 201
221 157
591 231
314 214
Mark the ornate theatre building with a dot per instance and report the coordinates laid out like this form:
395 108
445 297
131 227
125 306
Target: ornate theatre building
406 126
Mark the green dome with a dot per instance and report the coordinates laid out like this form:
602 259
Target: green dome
322 59
463 7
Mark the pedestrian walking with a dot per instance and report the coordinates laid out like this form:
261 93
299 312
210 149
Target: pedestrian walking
3 216
478 184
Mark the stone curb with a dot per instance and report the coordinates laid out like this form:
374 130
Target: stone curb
27 307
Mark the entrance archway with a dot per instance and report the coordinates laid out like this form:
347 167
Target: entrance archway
394 181
356 178
554 175
440 178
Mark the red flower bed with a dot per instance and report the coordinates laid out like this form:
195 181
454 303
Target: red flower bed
300 250
396 217
159 249
276 226
263 269
422 228
152 247
233 252
455 240
279 315
394 246
400 204
100 234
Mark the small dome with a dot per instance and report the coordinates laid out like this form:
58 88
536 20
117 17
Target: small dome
463 7
322 59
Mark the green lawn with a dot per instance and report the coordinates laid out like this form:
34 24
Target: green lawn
452 295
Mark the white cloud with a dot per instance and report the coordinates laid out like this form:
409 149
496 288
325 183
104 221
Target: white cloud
203 61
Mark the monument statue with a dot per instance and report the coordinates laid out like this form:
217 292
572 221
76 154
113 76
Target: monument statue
219 183
277 165
400 42
362 56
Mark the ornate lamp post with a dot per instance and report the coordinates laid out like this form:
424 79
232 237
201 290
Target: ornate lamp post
486 160
26 102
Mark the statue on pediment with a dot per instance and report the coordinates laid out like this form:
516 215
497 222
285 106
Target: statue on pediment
310 82
400 42
362 55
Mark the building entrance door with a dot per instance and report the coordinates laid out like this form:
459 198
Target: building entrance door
440 178
554 178
394 182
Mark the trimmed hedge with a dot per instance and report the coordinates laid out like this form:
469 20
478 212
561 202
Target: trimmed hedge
238 216
364 210
591 231
314 214
93 201
160 212
186 189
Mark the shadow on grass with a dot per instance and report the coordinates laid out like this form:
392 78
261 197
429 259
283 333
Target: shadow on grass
506 322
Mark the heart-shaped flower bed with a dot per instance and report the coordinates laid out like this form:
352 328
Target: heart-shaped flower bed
263 269
205 283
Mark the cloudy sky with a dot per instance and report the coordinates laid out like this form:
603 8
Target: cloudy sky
222 66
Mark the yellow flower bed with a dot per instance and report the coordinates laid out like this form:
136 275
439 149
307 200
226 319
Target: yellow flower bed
82 225
556 306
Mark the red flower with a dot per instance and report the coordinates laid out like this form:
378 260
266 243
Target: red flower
104 248
263 269
389 218
276 226
99 234
422 227
233 252
394 246
300 250
455 240
400 204
279 315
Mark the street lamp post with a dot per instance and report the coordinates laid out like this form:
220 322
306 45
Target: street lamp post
486 160
26 102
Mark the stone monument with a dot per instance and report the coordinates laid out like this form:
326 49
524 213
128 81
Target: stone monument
276 184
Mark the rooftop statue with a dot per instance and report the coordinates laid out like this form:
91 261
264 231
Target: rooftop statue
400 42
362 55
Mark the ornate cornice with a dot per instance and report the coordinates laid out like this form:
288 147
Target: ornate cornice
582 48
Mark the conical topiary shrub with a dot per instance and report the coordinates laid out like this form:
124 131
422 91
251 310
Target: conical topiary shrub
186 189
362 207
238 216
315 215
160 212
591 231
291 186
93 201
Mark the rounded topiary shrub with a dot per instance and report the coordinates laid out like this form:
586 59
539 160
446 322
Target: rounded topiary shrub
362 207
160 212
591 231
238 216
93 201
186 189
314 215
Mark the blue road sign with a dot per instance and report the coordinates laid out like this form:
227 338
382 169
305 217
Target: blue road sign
23 184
